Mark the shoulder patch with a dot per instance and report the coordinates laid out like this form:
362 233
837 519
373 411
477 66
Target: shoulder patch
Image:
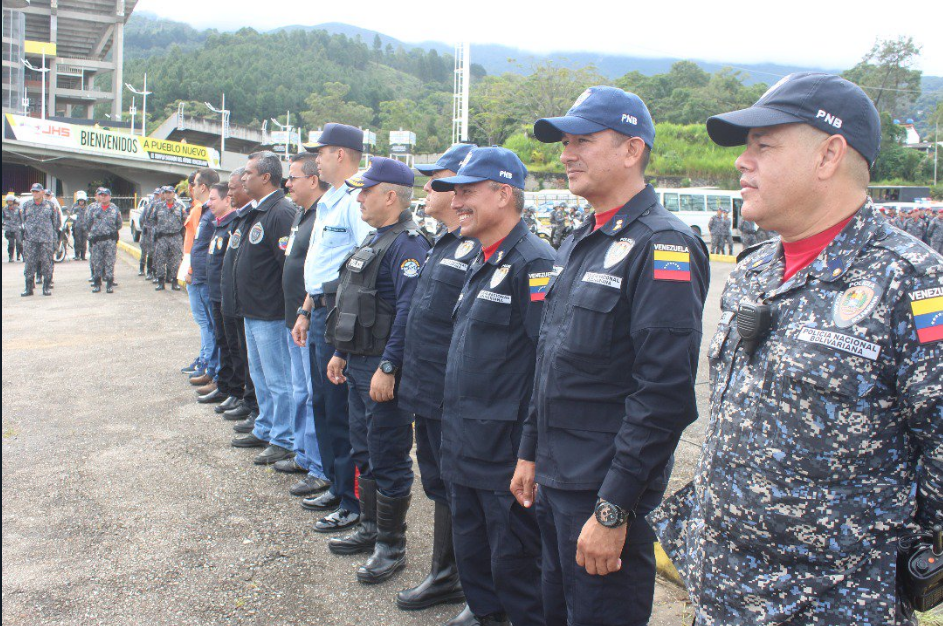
926 305
538 283
671 262
283 243
410 268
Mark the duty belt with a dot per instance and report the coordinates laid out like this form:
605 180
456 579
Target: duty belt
97 238
164 235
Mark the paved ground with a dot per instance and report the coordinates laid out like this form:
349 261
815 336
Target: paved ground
125 504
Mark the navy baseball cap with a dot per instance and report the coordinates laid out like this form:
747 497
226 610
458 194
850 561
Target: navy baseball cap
383 170
824 101
167 188
340 135
451 160
497 164
103 191
36 187
597 109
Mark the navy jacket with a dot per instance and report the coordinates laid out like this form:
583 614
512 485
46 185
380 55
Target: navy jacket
217 254
259 242
618 354
429 327
227 281
201 246
490 372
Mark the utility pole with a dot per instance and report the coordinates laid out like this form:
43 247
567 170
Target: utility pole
224 122
42 71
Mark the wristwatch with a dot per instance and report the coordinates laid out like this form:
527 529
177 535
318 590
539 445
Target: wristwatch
302 311
387 367
611 515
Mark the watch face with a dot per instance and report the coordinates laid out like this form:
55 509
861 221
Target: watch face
608 515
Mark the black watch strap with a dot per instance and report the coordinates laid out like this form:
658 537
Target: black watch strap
611 515
301 311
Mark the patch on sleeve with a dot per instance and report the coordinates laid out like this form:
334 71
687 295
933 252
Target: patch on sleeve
283 243
927 308
538 285
410 268
672 262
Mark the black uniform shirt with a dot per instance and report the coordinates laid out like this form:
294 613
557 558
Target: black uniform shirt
490 372
293 275
227 281
618 354
429 327
260 257
217 255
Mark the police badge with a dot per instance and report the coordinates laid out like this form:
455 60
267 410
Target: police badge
855 303
499 275
618 251
256 234
464 249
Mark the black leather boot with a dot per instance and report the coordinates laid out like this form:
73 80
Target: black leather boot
47 287
442 584
174 284
160 286
109 286
465 618
389 555
364 537
29 288
96 286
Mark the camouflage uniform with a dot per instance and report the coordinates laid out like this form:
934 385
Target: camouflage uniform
13 229
103 226
719 228
915 226
168 240
747 233
147 236
79 231
809 470
935 233
40 233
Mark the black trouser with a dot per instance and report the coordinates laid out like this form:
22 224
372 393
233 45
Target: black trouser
14 243
80 241
230 379
428 456
235 328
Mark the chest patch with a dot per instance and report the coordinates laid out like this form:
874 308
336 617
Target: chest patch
606 280
462 267
617 252
491 296
856 303
838 341
464 249
235 239
499 275
256 234
410 268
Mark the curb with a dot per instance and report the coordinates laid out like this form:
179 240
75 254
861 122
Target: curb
665 568
136 253
723 258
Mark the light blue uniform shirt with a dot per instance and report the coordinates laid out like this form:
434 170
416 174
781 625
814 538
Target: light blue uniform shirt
338 229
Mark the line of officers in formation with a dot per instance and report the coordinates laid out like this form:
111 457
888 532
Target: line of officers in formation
547 390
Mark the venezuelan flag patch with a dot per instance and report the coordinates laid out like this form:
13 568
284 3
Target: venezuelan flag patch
672 262
538 285
927 308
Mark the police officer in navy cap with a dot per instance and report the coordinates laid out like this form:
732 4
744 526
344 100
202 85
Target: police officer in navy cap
488 384
616 367
824 446
367 326
428 335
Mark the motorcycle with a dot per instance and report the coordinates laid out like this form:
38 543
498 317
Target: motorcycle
65 240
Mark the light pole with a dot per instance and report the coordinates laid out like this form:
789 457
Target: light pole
143 92
224 121
133 111
285 127
43 70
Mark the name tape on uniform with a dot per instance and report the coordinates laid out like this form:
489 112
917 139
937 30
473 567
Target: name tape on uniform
926 305
845 343
491 296
463 267
671 262
606 280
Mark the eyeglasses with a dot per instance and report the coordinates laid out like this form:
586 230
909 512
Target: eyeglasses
292 177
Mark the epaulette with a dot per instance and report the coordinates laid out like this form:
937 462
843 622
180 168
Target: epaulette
748 251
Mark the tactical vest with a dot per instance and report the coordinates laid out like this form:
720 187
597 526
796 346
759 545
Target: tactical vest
360 321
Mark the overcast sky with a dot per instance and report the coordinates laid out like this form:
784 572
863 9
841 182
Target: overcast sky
831 34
